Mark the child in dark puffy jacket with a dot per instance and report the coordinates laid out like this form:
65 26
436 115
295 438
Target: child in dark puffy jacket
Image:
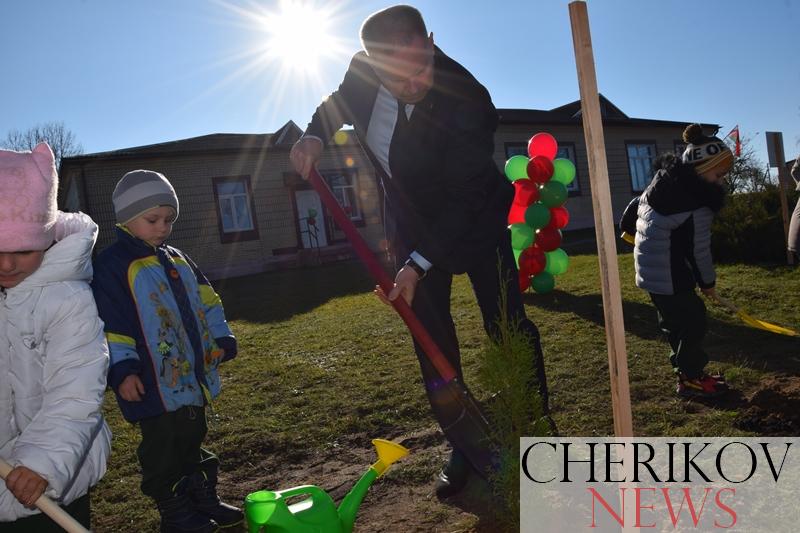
673 251
167 334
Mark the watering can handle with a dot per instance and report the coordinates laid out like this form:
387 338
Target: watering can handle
311 490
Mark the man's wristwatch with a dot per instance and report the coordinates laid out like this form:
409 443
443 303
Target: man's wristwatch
421 272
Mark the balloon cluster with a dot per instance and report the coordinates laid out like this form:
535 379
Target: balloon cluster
538 213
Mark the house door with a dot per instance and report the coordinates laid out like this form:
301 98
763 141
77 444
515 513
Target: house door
310 219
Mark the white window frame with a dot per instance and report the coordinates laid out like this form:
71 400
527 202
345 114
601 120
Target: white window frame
640 165
341 195
231 199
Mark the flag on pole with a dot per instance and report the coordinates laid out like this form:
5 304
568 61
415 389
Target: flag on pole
734 140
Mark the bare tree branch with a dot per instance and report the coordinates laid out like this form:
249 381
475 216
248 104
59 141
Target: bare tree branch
61 140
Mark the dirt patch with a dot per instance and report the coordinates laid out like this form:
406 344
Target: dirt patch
402 500
774 408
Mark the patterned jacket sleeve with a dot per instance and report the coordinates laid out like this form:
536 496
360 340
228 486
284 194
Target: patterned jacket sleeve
215 313
116 308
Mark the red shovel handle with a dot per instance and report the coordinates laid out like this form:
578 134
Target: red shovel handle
366 256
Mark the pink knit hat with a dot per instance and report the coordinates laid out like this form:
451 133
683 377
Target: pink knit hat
28 185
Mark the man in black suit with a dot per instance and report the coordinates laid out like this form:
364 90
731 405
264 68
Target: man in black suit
428 126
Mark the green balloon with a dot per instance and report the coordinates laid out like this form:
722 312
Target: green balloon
521 236
517 253
553 194
543 282
537 215
517 168
557 262
563 171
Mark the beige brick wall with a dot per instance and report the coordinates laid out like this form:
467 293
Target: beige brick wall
197 231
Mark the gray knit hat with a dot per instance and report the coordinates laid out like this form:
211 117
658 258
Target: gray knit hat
139 191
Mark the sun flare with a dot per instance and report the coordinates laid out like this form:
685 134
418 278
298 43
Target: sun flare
299 35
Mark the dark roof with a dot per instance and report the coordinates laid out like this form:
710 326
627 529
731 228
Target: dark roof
284 138
571 114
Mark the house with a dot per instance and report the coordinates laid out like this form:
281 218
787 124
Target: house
244 211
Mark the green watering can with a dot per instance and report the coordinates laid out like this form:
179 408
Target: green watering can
267 511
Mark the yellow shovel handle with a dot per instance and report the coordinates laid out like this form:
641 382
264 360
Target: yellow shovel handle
754 322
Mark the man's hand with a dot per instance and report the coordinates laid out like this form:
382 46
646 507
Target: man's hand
405 283
709 293
131 389
305 154
26 485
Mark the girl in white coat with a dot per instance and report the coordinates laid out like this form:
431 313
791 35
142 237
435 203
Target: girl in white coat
53 354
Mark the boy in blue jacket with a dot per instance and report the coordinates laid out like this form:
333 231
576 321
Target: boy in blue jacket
167 335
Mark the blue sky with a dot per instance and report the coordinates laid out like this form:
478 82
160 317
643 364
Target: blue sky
127 73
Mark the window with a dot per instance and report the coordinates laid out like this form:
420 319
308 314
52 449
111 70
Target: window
343 186
567 151
235 209
513 149
640 162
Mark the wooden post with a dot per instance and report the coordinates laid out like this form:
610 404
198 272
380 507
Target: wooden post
603 220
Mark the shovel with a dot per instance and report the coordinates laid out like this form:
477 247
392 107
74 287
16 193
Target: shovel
755 322
456 410
49 507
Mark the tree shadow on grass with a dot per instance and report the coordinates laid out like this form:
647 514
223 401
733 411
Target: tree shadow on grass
279 295
725 341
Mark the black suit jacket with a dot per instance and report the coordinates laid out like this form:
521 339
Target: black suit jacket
448 198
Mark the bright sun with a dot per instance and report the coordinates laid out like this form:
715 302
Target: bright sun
298 35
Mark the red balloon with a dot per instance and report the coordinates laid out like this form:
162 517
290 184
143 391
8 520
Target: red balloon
543 144
516 215
527 192
532 261
548 239
524 282
540 169
559 218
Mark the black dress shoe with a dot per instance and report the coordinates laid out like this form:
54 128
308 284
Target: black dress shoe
453 477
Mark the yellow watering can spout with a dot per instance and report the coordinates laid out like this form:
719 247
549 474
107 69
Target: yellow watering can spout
388 452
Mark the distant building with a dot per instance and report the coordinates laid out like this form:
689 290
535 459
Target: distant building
244 211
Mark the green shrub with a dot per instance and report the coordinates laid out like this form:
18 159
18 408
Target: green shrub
750 228
505 367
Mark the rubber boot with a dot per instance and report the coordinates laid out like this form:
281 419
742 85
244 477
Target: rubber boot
203 493
178 514
453 477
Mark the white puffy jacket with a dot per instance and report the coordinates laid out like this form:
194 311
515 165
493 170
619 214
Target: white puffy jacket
53 364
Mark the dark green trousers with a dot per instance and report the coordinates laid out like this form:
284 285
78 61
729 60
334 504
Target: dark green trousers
171 449
682 317
41 523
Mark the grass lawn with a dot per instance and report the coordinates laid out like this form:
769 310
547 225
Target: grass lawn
323 367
